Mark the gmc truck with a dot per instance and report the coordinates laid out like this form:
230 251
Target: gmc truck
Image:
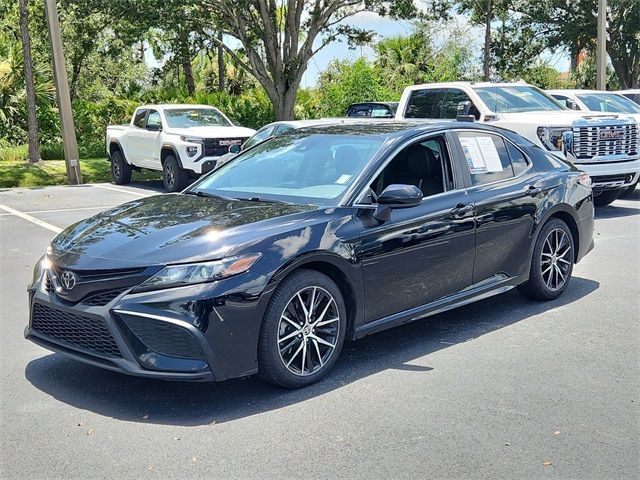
182 141
606 146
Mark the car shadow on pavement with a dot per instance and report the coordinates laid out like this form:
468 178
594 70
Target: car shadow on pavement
189 404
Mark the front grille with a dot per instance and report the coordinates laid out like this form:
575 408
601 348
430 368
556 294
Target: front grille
48 284
101 299
163 337
212 147
76 330
588 143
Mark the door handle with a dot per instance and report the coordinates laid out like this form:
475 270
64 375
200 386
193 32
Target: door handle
460 209
533 191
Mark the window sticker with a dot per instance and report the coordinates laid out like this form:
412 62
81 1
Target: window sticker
343 179
473 155
481 154
490 154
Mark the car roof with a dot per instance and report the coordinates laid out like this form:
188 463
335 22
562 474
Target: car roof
386 104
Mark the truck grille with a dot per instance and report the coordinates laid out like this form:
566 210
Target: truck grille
213 148
77 330
605 141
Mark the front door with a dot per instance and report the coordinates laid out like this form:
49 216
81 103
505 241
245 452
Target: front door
425 252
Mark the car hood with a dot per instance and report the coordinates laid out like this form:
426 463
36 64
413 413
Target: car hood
559 118
232 131
166 229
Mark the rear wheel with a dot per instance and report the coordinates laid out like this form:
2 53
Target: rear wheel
303 330
552 262
120 170
175 178
606 197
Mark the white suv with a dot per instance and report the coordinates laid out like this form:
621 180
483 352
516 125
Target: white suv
606 146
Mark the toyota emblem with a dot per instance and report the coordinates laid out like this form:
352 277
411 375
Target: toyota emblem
68 280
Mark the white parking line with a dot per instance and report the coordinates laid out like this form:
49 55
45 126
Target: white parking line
31 219
116 189
78 209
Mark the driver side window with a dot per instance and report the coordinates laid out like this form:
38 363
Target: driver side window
424 164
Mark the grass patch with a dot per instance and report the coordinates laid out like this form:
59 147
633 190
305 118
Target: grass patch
53 172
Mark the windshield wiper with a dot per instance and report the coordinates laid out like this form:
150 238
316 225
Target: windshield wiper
202 193
263 200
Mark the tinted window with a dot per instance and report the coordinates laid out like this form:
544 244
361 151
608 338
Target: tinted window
519 162
298 167
424 164
260 136
138 120
450 104
425 103
486 156
282 128
153 119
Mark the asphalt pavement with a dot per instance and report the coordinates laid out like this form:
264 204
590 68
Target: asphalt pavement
504 388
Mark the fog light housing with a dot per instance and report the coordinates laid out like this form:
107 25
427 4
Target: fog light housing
192 150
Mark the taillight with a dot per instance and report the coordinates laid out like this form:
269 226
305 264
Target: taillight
584 179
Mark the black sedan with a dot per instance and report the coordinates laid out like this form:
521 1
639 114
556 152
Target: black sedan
324 234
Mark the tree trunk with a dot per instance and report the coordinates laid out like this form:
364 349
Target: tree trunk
487 41
32 119
284 104
221 71
627 70
187 68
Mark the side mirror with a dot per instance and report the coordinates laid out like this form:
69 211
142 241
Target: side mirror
234 149
463 110
397 196
154 128
571 103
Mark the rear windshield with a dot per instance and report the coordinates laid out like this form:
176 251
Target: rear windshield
517 98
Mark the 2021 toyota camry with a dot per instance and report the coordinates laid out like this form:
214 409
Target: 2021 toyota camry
330 233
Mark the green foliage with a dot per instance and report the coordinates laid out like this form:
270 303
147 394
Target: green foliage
545 76
13 153
585 76
345 82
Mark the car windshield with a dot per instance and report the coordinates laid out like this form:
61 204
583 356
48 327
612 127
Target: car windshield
195 117
298 168
609 102
517 98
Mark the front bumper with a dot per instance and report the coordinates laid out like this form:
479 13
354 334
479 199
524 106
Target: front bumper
612 176
206 332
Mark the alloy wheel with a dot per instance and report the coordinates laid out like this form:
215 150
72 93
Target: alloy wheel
556 257
308 331
170 175
115 165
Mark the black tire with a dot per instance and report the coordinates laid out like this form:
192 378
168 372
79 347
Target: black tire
627 192
606 197
545 265
175 178
306 287
120 170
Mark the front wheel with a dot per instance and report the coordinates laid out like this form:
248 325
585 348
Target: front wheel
175 178
120 170
303 330
606 197
552 262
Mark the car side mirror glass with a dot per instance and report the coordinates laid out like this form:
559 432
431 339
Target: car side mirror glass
571 104
234 149
397 196
154 128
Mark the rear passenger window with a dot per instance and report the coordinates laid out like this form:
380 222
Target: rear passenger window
425 103
518 160
138 120
487 157
450 104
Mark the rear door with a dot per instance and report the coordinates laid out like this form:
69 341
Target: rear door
506 191
424 252
135 138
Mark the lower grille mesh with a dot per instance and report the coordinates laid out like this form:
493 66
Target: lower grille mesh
87 332
164 337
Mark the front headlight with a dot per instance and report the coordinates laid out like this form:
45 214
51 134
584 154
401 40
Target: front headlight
551 137
193 273
192 139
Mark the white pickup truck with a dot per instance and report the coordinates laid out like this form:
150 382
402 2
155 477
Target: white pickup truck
606 146
183 141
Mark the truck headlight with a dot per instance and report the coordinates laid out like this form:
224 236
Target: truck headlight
192 139
551 137
193 273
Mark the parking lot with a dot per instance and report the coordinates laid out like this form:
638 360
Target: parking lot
503 388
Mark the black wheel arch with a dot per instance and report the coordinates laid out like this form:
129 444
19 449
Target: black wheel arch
114 146
568 215
168 149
